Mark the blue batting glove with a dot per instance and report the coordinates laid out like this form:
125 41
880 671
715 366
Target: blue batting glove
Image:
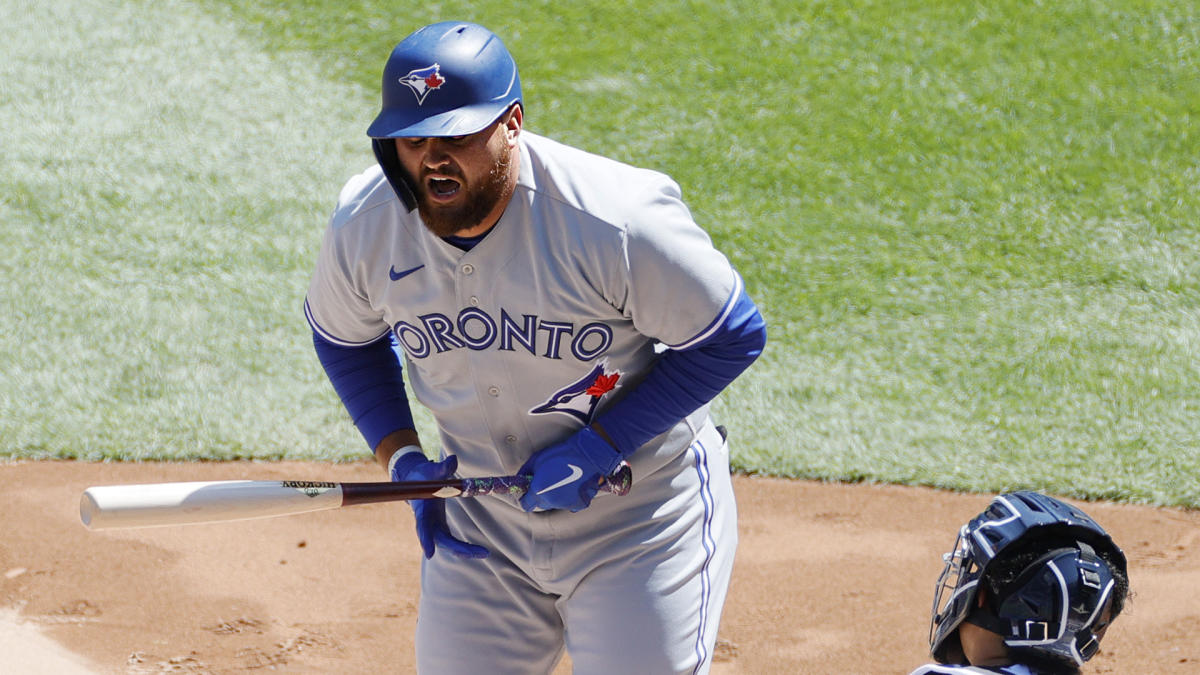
430 514
567 475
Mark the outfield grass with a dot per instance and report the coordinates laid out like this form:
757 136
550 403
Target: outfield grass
973 230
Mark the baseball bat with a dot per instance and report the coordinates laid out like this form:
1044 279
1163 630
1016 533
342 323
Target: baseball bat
107 507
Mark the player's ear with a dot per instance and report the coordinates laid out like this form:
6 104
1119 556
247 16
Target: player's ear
513 122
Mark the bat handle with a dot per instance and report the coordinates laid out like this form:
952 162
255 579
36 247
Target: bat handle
618 483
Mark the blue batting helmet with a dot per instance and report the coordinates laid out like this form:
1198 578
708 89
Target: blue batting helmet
1050 570
446 79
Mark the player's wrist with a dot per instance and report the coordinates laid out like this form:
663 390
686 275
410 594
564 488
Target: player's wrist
595 446
403 460
603 433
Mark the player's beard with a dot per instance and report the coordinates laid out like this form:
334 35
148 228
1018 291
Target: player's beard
447 220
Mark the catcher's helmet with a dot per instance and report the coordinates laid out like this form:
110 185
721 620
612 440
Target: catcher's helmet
1047 608
447 79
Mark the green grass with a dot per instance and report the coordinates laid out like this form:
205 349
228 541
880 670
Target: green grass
973 229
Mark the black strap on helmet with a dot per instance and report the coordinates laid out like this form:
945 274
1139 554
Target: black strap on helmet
389 161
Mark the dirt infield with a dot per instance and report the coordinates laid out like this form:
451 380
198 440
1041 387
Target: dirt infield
829 579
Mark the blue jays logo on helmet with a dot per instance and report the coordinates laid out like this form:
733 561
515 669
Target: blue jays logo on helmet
471 70
423 80
580 398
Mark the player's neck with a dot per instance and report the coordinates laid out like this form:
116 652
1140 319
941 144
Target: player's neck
982 647
464 243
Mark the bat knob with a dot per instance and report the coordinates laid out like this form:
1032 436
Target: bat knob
620 480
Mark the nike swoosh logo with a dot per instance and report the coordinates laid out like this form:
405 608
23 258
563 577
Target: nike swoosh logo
397 276
576 472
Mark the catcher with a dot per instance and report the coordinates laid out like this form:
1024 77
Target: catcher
1033 584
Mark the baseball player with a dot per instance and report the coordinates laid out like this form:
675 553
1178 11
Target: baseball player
1033 585
560 314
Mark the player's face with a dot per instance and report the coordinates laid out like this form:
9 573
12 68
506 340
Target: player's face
463 183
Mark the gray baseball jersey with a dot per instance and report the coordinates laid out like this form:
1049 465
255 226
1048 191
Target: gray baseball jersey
518 343
509 344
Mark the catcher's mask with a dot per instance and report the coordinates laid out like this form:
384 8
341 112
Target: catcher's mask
447 79
1049 612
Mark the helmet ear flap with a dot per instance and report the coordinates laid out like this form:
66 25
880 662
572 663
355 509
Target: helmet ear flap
389 161
1053 606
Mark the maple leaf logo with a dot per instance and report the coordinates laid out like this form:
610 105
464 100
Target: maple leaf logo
434 81
603 384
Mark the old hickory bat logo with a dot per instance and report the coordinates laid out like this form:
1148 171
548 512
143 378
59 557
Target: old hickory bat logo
423 80
309 487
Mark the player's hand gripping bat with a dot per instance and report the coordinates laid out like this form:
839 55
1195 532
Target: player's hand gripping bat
152 504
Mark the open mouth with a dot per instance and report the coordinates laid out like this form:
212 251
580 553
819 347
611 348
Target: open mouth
442 189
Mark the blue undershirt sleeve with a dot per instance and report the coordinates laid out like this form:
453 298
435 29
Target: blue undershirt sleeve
683 380
370 383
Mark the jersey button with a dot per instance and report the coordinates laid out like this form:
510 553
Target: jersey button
510 439
494 391
468 269
474 301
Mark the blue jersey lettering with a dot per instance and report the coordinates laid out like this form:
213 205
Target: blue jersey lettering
475 329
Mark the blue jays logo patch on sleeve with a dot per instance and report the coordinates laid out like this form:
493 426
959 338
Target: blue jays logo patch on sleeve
580 398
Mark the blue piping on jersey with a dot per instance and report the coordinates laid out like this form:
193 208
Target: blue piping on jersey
734 295
710 549
329 337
